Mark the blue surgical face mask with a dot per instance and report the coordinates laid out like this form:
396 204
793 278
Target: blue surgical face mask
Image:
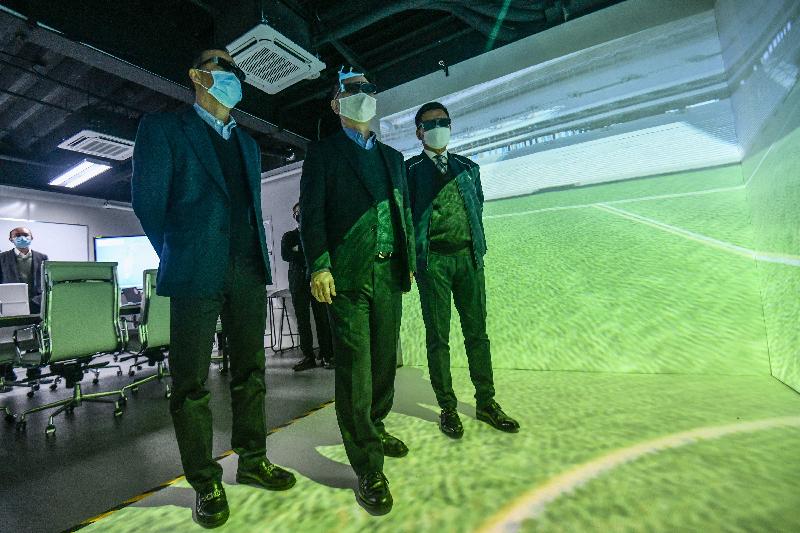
226 89
22 241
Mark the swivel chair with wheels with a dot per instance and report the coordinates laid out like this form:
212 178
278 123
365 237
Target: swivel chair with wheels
150 340
80 323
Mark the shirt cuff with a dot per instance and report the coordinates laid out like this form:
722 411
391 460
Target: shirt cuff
323 262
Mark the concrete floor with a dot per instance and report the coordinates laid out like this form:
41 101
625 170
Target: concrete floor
95 462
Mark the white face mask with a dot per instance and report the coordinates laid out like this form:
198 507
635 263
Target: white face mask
437 138
359 107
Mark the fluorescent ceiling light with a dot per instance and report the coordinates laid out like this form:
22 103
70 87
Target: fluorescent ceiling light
80 173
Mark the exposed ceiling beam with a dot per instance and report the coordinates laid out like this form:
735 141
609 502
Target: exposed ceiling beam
99 59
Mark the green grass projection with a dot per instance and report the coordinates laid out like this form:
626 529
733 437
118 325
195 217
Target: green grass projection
705 486
583 288
567 419
773 170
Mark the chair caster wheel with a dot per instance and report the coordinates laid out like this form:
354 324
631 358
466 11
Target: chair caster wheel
21 426
50 431
168 395
119 372
138 367
30 394
10 418
131 372
117 412
36 387
95 381
53 386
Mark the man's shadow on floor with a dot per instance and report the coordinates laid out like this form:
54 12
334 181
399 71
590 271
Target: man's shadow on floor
297 445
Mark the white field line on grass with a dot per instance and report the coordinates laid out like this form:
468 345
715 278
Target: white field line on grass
624 201
532 504
704 239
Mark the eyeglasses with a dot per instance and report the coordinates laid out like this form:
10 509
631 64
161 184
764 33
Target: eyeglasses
428 125
225 65
359 87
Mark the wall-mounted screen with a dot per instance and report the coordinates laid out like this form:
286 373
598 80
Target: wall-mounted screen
133 254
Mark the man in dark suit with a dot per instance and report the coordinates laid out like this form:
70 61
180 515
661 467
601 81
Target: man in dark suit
357 237
292 253
197 191
447 205
23 265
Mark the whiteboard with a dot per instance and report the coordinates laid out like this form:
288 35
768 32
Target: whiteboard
60 242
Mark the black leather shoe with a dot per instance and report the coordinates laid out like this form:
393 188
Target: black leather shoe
392 446
211 506
265 475
373 493
305 364
493 415
450 424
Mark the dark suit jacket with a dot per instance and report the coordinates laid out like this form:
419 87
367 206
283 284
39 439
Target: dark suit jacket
425 183
334 198
10 274
296 259
179 194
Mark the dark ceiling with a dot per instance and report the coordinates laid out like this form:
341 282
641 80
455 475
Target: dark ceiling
53 85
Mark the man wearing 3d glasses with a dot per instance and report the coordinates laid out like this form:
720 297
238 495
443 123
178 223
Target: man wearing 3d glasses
358 240
196 189
447 205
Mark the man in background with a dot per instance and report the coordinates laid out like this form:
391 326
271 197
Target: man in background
196 189
292 252
359 245
447 206
23 265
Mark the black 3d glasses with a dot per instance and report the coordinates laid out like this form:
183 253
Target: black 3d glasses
360 87
428 125
225 65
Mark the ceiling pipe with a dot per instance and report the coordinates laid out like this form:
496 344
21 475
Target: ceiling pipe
24 161
481 23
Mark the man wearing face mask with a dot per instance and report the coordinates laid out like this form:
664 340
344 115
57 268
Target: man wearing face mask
196 189
357 237
292 252
447 205
23 265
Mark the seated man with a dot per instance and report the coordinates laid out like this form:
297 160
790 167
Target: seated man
23 265
292 252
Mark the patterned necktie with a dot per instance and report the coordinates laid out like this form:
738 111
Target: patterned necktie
441 163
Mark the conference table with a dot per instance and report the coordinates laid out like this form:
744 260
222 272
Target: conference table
21 321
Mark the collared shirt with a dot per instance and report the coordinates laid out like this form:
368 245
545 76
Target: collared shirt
433 155
21 255
226 130
367 143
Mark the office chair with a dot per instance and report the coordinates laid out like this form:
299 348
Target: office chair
80 322
151 338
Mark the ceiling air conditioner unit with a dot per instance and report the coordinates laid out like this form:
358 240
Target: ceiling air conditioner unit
99 144
271 61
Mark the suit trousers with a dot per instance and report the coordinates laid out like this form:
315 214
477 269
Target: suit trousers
303 304
455 274
242 308
366 324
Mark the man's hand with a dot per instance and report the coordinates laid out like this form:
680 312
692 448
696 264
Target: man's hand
322 286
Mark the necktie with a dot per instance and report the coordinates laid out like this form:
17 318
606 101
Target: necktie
441 163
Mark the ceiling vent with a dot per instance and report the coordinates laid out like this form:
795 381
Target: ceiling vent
99 144
271 61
